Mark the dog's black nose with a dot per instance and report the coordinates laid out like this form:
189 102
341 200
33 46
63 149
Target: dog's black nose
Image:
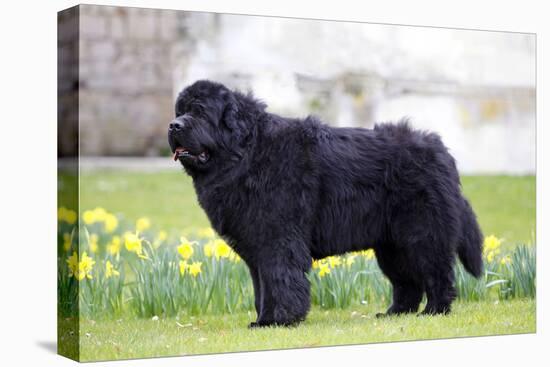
176 125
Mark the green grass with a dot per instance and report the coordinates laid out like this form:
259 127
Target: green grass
505 205
139 338
168 198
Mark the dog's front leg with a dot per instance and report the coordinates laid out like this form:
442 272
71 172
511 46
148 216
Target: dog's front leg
284 291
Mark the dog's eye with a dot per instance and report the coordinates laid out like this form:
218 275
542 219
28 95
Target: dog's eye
203 157
180 111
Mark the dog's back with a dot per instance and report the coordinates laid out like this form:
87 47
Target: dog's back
375 183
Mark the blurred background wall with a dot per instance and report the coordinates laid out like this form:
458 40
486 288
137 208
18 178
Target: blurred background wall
475 88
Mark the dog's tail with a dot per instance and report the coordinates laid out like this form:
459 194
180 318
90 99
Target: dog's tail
471 242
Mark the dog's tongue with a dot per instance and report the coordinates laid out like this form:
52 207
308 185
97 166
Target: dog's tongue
177 153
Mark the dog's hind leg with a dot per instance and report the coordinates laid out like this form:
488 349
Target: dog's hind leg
439 283
257 292
407 291
427 235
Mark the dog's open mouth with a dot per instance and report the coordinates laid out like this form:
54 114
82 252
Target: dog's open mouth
180 153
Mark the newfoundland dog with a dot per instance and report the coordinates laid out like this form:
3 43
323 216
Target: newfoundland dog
283 191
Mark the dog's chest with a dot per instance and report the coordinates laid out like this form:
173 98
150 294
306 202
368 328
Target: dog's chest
221 206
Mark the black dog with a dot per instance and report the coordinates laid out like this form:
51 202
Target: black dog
282 191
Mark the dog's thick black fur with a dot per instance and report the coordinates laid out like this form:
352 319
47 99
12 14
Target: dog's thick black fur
282 191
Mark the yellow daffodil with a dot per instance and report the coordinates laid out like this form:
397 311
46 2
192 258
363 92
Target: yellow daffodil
350 260
88 217
110 270
70 217
143 224
66 215
111 223
67 241
100 214
85 266
206 232
234 257
324 269
221 249
368 254
61 213
195 268
93 243
162 236
491 247
113 247
334 261
72 263
185 249
315 264
491 243
183 266
94 216
132 242
80 269
208 249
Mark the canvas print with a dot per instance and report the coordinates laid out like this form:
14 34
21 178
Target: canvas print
239 183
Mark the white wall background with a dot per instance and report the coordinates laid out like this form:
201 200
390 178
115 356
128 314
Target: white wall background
475 88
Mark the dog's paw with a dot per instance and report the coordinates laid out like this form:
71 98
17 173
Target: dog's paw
435 311
262 324
258 325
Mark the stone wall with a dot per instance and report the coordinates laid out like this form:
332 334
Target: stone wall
126 73
67 82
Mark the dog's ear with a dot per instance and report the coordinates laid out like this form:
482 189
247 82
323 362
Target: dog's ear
236 128
230 111
232 119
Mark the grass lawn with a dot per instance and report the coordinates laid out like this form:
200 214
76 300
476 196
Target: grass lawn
138 338
505 205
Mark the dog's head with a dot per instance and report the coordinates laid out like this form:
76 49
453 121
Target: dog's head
207 131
